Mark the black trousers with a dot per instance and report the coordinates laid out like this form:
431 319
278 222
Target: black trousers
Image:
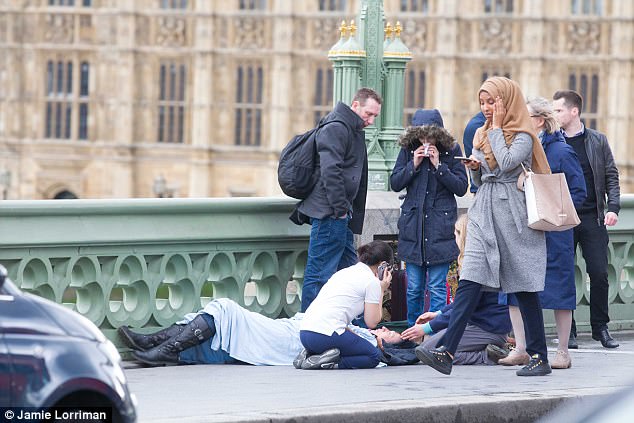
467 298
594 239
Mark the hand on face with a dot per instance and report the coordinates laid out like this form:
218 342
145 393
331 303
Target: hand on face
499 111
387 280
426 150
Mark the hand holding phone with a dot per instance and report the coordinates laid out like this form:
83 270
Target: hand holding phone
381 270
463 158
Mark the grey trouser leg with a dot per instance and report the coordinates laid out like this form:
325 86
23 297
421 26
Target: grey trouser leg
472 346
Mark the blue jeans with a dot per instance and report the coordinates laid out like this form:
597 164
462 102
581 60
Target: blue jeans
331 248
356 352
416 282
203 354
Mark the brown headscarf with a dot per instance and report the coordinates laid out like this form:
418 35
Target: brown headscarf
516 120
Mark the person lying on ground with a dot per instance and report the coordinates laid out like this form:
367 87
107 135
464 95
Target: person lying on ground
224 333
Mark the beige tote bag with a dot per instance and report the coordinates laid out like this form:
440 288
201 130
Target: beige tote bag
548 202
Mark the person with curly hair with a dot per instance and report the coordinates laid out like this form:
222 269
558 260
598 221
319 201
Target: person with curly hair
427 168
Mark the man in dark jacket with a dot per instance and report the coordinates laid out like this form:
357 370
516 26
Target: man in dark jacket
336 207
602 178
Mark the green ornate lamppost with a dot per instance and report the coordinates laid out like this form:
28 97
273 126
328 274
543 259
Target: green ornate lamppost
374 57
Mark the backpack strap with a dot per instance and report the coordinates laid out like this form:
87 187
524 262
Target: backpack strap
321 124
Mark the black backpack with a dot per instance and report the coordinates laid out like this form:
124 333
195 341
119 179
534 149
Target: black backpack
298 170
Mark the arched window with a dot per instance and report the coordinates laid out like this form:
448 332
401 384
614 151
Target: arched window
65 195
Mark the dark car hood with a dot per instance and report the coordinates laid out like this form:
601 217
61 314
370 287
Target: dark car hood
71 322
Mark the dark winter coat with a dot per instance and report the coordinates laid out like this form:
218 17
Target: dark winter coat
343 162
559 289
429 210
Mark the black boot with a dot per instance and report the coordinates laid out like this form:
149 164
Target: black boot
195 332
140 342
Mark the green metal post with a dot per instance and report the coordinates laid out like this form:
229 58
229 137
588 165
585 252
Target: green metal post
395 56
369 60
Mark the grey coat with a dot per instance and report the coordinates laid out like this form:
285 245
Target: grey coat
501 251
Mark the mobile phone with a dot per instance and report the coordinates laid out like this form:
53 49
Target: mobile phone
381 270
466 159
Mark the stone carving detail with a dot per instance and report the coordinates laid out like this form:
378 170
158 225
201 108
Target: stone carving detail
222 86
220 32
250 33
583 37
3 27
171 31
141 30
325 33
59 28
300 36
496 36
414 35
554 38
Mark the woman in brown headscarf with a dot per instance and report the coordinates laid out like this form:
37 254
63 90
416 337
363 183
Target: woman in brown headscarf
502 253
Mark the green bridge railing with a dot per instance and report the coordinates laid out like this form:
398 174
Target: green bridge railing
147 262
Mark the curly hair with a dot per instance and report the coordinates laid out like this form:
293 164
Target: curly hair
412 137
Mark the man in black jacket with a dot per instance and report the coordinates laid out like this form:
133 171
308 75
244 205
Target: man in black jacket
602 178
336 207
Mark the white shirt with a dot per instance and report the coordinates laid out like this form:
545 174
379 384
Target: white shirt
342 299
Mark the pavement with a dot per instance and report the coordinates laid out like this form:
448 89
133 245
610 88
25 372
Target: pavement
417 393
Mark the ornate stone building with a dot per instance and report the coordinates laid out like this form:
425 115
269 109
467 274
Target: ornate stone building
195 98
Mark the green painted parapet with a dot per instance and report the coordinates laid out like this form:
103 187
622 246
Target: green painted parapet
147 262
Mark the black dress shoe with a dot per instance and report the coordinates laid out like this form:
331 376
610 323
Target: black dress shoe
535 367
438 359
572 342
603 335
